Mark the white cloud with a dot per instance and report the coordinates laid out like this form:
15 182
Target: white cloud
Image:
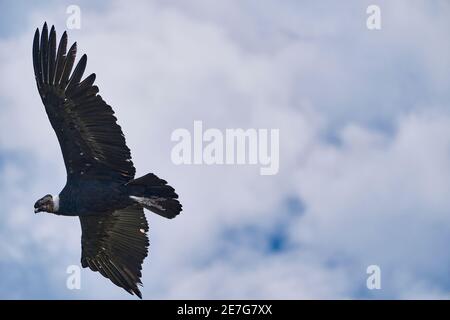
373 197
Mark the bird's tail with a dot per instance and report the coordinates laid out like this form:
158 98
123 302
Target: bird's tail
155 195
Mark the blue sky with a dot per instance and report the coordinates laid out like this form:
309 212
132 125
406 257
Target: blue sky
364 119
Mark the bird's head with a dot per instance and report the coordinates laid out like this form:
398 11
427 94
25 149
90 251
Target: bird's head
47 203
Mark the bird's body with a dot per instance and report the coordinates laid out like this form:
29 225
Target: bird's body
92 197
101 187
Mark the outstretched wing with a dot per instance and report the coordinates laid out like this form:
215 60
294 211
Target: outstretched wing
92 143
116 245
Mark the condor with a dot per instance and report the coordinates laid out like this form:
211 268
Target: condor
101 188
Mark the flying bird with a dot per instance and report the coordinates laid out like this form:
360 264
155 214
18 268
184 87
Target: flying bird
101 187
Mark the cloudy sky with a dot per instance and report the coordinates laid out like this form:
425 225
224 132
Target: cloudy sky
364 120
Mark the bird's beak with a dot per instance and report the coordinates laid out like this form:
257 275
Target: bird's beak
36 210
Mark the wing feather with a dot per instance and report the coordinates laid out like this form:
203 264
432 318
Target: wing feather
51 55
44 53
116 245
60 59
92 143
68 65
76 75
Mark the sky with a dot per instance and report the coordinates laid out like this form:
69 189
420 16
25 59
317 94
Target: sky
364 125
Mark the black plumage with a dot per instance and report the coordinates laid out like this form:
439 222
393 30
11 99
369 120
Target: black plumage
100 187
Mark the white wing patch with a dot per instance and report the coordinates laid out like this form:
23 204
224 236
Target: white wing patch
153 202
55 203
